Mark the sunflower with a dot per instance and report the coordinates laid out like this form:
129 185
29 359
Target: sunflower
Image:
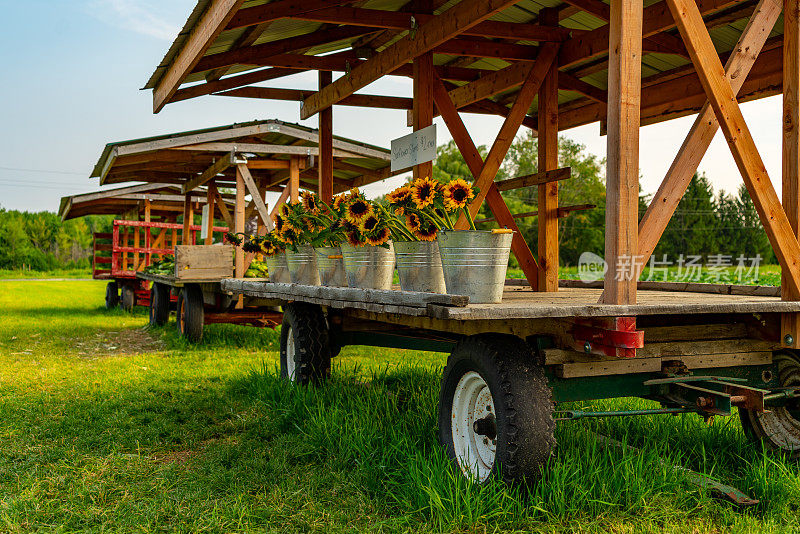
358 210
399 195
413 221
423 191
457 194
353 238
369 223
289 235
309 201
338 200
251 245
268 247
378 238
426 233
279 222
284 209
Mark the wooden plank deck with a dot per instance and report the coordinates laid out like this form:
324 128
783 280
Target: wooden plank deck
174 281
518 302
583 302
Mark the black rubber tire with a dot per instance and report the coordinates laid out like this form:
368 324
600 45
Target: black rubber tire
778 429
128 300
312 352
523 405
190 313
112 295
159 304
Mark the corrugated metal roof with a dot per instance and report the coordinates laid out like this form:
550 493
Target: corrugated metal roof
724 38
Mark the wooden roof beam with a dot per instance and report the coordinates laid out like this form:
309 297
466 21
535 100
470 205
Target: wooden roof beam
357 100
209 174
210 25
452 22
279 9
402 21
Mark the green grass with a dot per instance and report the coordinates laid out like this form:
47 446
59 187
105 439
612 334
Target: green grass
55 273
109 426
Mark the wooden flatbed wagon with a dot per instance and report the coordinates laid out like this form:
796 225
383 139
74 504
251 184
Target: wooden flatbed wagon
139 236
547 65
240 163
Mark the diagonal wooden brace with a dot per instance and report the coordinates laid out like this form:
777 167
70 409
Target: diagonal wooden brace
726 108
475 163
665 201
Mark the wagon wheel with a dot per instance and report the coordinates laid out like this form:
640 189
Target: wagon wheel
496 410
305 344
128 298
159 305
190 313
779 428
112 295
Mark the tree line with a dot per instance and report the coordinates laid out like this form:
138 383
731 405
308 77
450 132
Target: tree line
704 223
41 241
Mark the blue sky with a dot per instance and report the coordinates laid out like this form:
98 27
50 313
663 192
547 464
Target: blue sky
73 69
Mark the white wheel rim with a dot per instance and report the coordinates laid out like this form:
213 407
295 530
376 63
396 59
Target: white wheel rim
472 400
291 365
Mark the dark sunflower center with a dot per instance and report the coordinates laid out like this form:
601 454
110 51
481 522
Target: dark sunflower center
358 208
370 223
459 195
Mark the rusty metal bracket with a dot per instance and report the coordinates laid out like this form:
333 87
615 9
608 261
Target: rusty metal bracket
615 336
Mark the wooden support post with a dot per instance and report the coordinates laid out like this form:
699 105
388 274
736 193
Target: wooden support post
210 200
325 163
294 180
238 227
188 218
548 161
136 256
622 175
423 104
148 235
790 322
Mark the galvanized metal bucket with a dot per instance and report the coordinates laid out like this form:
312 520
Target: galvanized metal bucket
419 266
475 263
303 265
330 265
369 267
278 270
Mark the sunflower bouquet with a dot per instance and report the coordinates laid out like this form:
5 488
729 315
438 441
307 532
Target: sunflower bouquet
421 208
363 222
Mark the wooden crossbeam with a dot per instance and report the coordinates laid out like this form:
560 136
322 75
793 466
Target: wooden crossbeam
476 163
665 201
268 164
455 20
218 167
252 54
491 84
538 178
509 129
281 200
737 134
563 212
279 9
212 23
572 83
357 100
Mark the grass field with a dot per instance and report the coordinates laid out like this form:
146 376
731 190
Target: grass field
109 426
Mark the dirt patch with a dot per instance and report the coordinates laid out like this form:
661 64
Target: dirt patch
174 457
131 341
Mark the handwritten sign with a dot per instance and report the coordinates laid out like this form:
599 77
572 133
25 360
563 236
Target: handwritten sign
414 148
